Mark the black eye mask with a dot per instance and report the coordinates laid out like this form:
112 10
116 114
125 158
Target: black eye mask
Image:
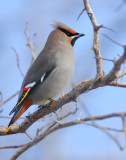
69 34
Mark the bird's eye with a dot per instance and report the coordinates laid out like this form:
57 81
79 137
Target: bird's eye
68 34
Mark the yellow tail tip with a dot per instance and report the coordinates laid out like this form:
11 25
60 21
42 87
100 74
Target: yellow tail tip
8 128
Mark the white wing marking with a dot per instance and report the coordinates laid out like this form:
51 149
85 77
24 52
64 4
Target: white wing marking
42 77
30 85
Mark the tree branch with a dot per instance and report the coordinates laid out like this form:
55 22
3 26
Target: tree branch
96 48
71 96
64 125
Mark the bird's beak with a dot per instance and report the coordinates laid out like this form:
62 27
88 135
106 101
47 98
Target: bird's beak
81 35
75 37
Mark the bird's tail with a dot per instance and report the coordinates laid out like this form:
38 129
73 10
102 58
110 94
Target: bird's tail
18 112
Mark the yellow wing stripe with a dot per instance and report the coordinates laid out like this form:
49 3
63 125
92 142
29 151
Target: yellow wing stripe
8 128
23 97
17 105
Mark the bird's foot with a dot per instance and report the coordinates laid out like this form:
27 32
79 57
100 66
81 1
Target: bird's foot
50 101
40 106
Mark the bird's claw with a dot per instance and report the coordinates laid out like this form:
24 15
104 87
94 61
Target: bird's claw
42 106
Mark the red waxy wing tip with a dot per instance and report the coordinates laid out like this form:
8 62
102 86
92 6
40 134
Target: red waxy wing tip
25 89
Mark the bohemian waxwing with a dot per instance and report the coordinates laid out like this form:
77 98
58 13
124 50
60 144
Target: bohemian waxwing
50 73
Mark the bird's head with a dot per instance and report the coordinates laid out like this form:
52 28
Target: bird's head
71 35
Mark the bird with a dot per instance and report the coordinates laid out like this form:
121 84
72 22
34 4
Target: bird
51 72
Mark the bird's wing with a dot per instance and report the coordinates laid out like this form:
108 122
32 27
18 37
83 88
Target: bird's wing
29 88
42 66
37 74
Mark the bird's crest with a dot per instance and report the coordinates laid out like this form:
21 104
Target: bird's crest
60 25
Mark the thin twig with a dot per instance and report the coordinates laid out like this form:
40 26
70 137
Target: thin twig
28 135
35 44
29 43
105 130
114 139
18 61
118 84
113 74
80 14
9 117
121 73
10 147
53 123
1 100
113 40
120 6
106 59
102 26
4 102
